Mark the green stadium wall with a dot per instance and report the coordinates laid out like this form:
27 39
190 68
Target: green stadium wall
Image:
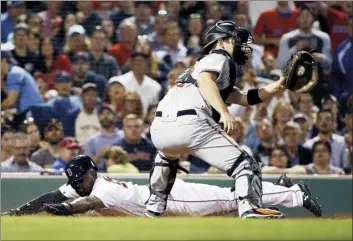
335 194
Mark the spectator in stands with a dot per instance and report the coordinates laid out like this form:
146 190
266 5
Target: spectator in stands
34 24
277 160
137 80
69 148
173 74
127 38
53 134
293 148
330 103
322 150
307 107
126 10
213 11
21 88
97 144
273 23
19 161
44 82
132 104
82 74
76 41
281 114
325 125
174 9
31 129
269 64
117 161
108 28
142 18
14 9
156 37
336 21
195 31
342 66
321 159
305 38
302 121
6 148
28 60
87 122
172 50
64 104
151 112
51 19
53 61
89 19
266 141
348 121
143 45
140 149
60 38
114 95
102 63
34 41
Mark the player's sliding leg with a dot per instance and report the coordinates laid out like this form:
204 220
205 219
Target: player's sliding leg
162 178
238 165
274 195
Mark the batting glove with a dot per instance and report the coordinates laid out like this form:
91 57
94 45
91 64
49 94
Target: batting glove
62 209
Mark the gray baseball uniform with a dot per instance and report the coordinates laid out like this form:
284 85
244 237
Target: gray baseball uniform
186 123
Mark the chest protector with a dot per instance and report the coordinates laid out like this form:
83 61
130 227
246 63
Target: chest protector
187 78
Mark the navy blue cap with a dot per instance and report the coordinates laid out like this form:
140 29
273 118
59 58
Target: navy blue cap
63 77
15 3
82 56
106 107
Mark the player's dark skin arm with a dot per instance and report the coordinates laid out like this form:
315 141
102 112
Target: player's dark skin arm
37 205
265 92
82 205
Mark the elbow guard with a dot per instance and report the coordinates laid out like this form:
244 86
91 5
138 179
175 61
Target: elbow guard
253 97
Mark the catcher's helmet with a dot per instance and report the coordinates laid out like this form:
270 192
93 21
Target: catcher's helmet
241 39
78 167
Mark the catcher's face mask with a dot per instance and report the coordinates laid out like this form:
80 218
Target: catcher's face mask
241 41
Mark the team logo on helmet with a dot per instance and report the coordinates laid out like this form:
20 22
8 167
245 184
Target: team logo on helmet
69 172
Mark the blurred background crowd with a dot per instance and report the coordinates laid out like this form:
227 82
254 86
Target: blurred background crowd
85 77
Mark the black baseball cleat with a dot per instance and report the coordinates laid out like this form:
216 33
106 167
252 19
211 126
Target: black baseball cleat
309 201
262 213
151 214
284 181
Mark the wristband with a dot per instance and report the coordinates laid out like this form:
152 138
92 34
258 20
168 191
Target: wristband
253 97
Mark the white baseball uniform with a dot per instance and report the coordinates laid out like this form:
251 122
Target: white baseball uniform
187 199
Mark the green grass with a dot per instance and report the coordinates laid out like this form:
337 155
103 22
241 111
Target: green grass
173 228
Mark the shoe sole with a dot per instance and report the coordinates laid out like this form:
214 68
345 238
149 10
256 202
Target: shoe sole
261 216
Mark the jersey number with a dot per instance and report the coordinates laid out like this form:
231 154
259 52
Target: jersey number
108 179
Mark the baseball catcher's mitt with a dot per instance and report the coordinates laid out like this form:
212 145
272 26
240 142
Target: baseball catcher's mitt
301 72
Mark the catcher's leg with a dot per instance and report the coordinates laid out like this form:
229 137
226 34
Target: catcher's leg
221 151
162 178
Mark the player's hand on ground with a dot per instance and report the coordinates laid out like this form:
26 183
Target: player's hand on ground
11 212
229 123
58 209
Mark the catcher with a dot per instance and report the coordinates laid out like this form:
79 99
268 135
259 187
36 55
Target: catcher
106 196
188 118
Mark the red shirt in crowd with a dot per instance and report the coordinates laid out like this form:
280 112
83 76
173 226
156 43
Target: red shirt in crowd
273 25
61 63
337 26
120 53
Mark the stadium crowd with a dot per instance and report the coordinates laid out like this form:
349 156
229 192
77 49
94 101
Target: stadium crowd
86 77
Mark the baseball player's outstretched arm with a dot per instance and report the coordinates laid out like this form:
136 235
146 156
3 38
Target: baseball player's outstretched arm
210 92
79 205
264 93
37 205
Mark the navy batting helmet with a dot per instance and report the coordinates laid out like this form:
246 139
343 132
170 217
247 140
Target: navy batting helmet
78 167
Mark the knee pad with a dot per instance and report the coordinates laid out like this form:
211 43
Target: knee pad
162 176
